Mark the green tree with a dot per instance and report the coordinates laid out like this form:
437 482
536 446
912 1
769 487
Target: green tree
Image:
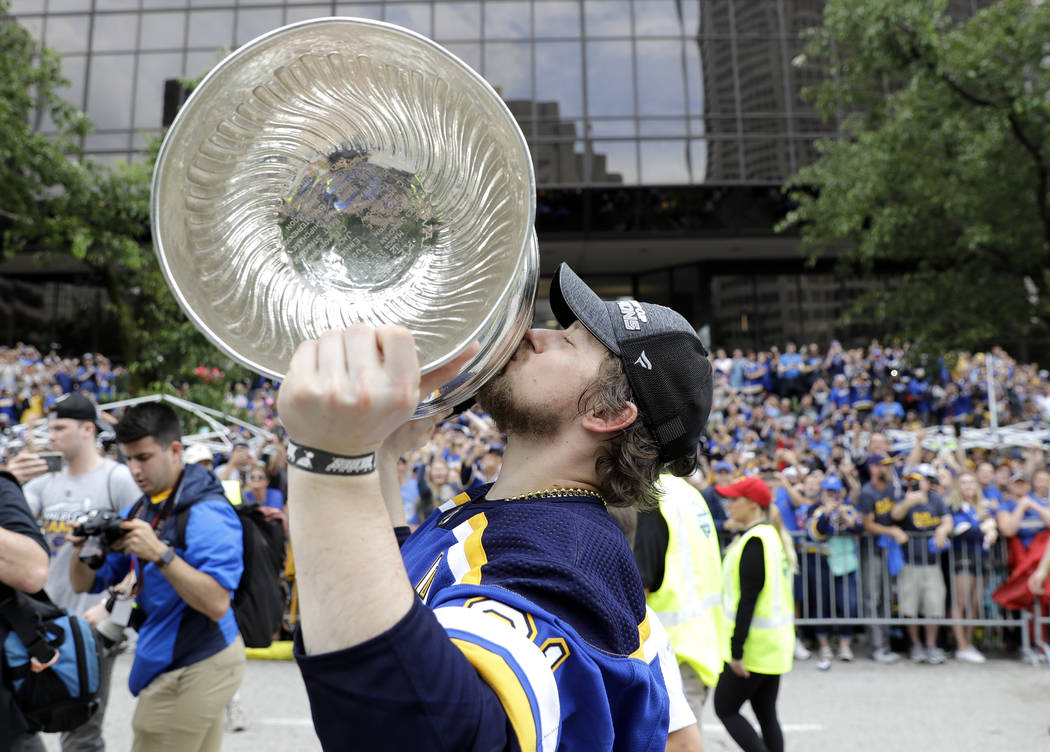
942 168
54 202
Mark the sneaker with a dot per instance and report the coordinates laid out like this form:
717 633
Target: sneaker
236 719
825 653
801 651
823 663
845 654
969 655
882 655
934 655
917 654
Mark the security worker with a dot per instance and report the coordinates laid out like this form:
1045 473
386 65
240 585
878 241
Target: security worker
757 607
688 593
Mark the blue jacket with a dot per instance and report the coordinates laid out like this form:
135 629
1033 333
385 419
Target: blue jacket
174 635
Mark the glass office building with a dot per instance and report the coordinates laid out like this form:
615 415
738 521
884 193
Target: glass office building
660 130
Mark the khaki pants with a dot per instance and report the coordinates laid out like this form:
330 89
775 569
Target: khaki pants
182 710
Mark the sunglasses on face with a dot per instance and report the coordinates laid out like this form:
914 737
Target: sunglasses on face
256 476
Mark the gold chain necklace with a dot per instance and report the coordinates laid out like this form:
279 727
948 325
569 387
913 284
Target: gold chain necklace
558 493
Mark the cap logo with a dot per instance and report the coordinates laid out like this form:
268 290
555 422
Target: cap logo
643 361
633 313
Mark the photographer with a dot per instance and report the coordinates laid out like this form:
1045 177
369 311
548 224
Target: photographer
189 659
23 566
921 582
56 500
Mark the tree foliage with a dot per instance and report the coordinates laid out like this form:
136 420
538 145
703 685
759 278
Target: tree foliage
54 202
942 169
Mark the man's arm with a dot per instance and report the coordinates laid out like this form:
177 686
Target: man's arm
200 590
23 563
362 625
352 584
1010 521
940 535
26 466
876 528
1038 578
24 556
910 501
1043 512
81 576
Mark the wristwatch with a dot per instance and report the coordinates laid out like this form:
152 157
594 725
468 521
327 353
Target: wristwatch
165 558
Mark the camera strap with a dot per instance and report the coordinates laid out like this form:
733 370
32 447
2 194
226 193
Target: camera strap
158 521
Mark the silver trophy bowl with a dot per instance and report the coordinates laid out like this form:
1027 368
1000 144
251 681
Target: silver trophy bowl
342 170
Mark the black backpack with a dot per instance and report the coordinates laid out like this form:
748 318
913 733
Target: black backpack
62 696
258 602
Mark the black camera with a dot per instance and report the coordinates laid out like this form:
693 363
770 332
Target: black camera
102 529
913 485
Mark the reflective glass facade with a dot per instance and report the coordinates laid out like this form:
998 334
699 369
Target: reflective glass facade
661 130
608 92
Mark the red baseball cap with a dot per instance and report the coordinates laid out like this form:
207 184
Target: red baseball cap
747 488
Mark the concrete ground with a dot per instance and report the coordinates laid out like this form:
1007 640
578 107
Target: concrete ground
858 707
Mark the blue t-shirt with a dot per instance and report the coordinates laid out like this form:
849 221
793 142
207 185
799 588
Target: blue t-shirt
754 372
791 362
274 498
1031 523
786 509
861 399
840 397
410 500
969 539
993 494
890 410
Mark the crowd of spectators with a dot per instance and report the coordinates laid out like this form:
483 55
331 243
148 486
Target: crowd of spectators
30 381
823 428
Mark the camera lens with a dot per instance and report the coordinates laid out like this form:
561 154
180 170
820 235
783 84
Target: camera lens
92 553
111 633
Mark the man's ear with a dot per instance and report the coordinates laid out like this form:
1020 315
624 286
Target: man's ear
611 423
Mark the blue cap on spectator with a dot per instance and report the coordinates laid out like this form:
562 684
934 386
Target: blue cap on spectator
879 459
723 467
832 483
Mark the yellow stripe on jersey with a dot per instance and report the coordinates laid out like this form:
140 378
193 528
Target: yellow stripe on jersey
474 551
643 635
460 498
497 674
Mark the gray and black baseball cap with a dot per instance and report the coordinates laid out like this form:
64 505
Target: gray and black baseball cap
665 362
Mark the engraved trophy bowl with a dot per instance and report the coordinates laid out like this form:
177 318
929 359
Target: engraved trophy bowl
343 170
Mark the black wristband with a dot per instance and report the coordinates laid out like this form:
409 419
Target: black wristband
325 463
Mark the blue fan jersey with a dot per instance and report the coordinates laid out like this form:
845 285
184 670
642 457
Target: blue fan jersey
544 600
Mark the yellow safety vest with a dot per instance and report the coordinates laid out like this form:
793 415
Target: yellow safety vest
770 644
691 592
233 491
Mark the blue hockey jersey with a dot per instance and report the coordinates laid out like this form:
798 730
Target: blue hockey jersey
543 598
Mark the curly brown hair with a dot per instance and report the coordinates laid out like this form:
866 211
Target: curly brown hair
628 464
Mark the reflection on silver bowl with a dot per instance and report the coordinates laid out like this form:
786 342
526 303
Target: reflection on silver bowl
339 171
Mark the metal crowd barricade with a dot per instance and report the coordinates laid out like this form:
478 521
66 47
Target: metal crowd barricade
1041 616
826 600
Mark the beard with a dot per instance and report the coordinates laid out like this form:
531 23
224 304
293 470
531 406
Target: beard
511 415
